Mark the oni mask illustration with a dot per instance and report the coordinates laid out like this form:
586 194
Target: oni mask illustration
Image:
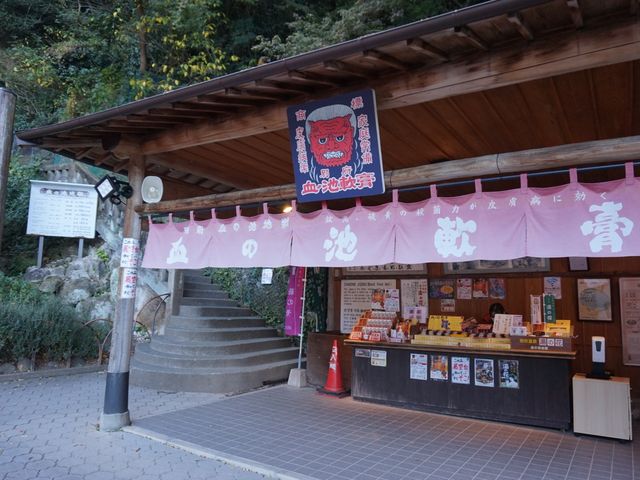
331 141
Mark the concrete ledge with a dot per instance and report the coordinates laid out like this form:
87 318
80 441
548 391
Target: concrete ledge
54 372
261 468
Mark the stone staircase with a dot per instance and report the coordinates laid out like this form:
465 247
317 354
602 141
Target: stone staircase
212 345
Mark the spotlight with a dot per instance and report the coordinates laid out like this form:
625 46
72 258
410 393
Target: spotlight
287 209
109 187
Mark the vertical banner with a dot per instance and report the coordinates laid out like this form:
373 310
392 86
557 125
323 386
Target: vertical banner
335 147
293 315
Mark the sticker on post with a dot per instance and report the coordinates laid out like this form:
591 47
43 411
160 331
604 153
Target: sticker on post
129 281
130 253
379 358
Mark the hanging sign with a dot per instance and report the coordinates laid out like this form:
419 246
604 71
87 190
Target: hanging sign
293 314
336 148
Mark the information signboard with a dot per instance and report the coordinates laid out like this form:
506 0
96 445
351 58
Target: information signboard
62 210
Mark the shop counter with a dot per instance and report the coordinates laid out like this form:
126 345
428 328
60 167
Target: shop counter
535 388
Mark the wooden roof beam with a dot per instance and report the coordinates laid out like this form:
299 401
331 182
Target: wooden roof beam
171 112
147 125
342 67
523 29
282 87
380 57
465 32
49 142
576 13
82 153
215 99
249 95
543 58
186 106
420 46
144 119
314 78
563 156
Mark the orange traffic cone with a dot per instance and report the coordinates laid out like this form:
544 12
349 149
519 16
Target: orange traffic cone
333 385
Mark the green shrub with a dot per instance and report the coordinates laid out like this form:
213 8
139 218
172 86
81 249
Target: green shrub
40 326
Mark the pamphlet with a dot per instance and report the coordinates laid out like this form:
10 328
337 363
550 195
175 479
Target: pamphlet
419 366
509 375
502 323
439 367
460 370
448 305
483 372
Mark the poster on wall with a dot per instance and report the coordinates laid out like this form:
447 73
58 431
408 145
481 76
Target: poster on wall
336 147
441 289
448 305
509 374
480 288
553 286
483 368
419 366
594 299
439 367
356 296
379 358
497 288
460 370
630 319
414 293
463 290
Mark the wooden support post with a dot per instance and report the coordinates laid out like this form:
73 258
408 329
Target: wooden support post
115 414
7 112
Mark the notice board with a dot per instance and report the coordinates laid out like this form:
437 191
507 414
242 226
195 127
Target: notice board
62 209
356 297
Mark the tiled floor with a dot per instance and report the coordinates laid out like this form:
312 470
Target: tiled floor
312 436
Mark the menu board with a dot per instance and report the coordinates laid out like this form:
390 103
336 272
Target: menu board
630 319
62 210
356 297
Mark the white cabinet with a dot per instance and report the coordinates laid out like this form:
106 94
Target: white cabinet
602 407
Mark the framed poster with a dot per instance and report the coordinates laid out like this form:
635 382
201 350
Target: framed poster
630 320
517 265
356 297
594 299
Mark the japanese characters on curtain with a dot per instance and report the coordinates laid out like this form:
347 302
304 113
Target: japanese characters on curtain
577 219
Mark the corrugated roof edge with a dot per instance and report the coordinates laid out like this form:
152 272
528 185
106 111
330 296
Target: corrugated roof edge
463 16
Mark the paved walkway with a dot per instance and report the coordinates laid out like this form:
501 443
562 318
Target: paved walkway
48 430
305 435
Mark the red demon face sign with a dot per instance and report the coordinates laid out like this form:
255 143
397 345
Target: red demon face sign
331 141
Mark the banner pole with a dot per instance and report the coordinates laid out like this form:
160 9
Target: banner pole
304 296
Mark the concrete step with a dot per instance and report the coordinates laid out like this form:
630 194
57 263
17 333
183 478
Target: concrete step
180 321
205 348
219 334
203 292
146 355
208 302
222 311
219 380
197 279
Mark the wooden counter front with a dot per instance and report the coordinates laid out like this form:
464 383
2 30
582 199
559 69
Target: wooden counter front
542 399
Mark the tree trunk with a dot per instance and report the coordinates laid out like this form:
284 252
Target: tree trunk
142 36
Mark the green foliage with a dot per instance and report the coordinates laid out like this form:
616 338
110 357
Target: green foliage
325 27
36 325
102 254
269 301
243 285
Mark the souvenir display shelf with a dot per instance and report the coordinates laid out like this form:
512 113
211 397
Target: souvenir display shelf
521 378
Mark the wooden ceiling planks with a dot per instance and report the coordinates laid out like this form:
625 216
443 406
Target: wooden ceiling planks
614 92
